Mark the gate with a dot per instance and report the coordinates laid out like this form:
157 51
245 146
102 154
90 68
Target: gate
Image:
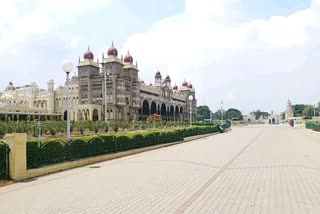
4 161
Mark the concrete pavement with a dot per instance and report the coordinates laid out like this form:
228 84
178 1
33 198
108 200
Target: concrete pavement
252 169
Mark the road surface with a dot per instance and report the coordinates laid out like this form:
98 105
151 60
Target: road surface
252 169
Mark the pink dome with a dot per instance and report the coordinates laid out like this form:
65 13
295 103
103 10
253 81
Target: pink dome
112 51
88 54
185 84
190 85
175 87
128 58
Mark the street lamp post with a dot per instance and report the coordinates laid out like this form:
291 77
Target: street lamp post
221 111
314 111
67 68
39 127
190 99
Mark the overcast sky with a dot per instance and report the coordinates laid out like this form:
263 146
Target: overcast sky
250 54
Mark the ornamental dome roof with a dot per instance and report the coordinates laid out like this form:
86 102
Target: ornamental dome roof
10 87
185 84
128 58
175 87
112 51
88 54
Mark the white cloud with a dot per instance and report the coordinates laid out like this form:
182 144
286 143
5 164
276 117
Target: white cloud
201 45
34 37
44 17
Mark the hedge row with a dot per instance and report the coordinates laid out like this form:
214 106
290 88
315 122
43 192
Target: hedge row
3 161
313 126
48 152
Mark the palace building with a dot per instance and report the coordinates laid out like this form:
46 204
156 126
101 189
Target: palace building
128 97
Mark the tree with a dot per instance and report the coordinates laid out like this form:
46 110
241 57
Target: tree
258 114
217 115
234 114
203 112
308 111
297 110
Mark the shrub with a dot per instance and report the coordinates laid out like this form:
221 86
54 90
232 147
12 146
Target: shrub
50 152
78 148
109 141
123 142
138 140
96 146
32 147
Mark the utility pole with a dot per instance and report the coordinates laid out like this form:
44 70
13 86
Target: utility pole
221 104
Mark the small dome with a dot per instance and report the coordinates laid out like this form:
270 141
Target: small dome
88 54
185 84
190 85
10 87
175 87
158 75
128 58
142 82
112 51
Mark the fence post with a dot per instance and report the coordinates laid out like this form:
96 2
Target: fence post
18 155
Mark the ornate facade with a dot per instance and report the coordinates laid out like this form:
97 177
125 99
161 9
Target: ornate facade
128 98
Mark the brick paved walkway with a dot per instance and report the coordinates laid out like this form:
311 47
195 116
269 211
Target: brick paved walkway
253 169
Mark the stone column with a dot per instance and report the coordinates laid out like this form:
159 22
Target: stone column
18 155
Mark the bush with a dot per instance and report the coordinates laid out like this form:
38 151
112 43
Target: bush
32 147
138 140
313 126
109 143
78 148
96 146
123 142
50 152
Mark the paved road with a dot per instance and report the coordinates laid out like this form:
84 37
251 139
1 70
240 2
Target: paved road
253 169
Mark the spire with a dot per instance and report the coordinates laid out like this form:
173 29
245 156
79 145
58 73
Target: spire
88 48
112 44
102 56
79 58
136 63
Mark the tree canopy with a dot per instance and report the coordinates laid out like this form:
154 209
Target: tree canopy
234 114
203 112
258 114
298 109
308 111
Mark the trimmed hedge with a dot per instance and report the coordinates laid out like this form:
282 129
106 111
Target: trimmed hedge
54 151
313 126
4 171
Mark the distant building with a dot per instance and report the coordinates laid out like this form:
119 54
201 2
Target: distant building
128 97
274 118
